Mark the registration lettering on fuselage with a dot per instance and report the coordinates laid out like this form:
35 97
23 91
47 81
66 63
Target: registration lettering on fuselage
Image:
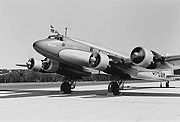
158 73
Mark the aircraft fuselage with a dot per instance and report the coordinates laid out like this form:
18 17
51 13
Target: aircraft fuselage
51 48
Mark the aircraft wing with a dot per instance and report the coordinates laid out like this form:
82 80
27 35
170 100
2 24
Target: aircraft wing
123 60
174 59
109 52
166 62
173 76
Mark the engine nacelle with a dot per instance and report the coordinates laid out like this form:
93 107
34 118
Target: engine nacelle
99 61
50 65
142 57
34 64
77 57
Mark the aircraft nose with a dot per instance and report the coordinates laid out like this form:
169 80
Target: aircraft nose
39 45
34 44
48 48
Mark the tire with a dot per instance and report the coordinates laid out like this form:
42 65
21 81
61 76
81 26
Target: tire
167 84
66 87
114 88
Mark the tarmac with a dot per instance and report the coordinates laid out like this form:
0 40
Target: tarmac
138 102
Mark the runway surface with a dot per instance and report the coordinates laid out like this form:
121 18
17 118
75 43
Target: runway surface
142 102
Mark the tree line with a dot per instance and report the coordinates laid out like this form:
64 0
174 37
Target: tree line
22 75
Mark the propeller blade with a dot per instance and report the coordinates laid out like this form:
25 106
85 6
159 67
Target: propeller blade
21 65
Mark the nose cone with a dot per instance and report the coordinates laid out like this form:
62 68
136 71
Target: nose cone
40 45
35 44
48 48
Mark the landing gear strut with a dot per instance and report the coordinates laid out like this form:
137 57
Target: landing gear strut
66 86
160 84
114 87
166 84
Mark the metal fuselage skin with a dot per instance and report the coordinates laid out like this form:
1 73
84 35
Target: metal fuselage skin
51 48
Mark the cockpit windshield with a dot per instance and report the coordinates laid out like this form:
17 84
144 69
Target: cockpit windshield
58 37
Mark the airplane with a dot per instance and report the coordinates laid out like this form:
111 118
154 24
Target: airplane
73 57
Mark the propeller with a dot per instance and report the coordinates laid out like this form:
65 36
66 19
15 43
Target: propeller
28 64
21 65
137 55
46 63
94 59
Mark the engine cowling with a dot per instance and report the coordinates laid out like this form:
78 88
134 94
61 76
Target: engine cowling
142 57
34 64
99 61
77 57
50 65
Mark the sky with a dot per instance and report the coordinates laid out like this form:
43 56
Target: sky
120 25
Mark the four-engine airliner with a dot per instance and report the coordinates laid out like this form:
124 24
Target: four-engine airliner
72 58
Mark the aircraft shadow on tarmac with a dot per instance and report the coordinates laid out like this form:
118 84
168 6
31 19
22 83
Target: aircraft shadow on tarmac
8 93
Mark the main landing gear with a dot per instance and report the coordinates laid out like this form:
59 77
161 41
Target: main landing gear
166 84
115 86
67 85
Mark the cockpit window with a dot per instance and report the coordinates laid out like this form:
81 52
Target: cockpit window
51 37
58 37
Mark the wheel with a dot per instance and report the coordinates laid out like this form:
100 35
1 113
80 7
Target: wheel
114 88
167 84
66 87
160 85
